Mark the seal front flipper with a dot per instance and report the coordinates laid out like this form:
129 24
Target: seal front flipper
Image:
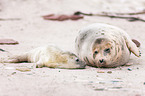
133 48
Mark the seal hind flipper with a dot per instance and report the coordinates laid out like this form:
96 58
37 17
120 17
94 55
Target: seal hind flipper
16 59
133 48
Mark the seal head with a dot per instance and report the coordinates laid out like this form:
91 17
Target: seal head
106 52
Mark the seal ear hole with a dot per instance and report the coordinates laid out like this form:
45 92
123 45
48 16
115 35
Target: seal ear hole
107 50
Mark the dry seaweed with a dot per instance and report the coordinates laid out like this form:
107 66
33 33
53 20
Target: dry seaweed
128 16
61 17
8 42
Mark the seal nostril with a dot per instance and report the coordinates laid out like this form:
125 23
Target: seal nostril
101 61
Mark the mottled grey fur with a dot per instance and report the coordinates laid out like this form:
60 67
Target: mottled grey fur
104 45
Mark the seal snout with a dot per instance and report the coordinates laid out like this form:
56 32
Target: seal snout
102 61
81 64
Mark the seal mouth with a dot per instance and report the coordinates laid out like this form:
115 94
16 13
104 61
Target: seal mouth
101 66
101 63
105 65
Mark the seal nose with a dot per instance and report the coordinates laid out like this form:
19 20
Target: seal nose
101 61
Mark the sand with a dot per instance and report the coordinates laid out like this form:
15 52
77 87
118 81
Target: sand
30 30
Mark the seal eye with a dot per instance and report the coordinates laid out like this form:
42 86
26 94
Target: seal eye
96 52
77 60
107 50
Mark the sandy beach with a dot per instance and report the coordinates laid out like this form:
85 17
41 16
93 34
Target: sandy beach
22 21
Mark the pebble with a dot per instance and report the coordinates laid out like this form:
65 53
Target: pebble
109 72
129 69
23 69
13 73
116 87
101 82
99 71
99 89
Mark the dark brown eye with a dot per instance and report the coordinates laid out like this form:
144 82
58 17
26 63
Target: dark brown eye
96 52
107 50
77 60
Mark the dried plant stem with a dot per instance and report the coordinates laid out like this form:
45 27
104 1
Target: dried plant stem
113 15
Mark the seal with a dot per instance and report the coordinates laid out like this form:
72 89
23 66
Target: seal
104 45
49 56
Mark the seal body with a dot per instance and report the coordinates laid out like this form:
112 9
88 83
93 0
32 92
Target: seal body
103 45
49 56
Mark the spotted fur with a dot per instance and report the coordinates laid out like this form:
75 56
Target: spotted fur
104 45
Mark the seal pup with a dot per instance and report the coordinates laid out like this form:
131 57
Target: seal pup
49 56
103 45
